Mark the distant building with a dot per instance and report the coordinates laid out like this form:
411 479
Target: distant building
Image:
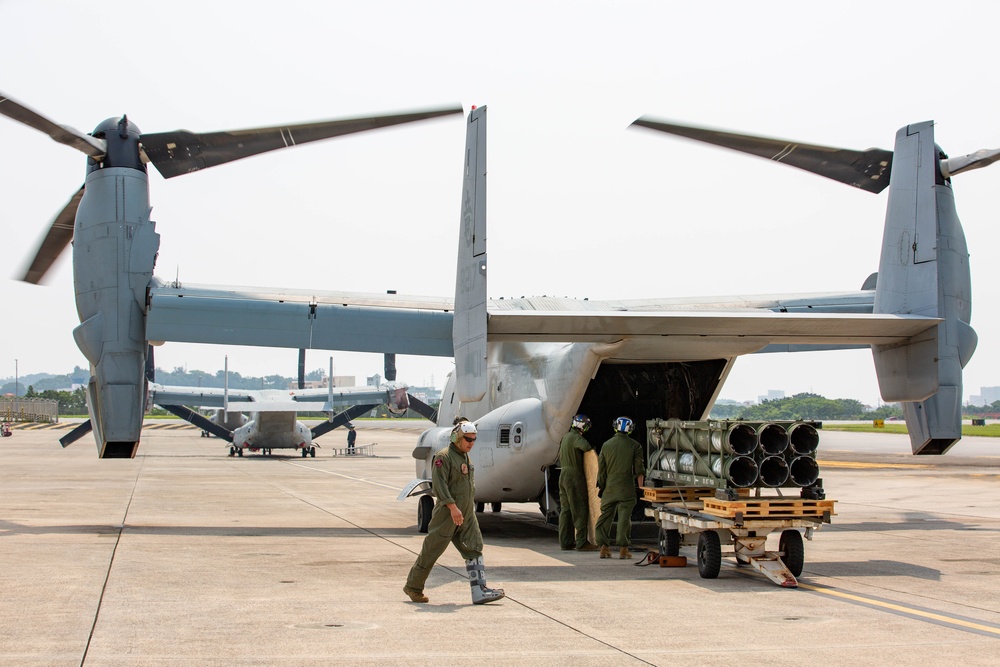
986 396
322 383
374 380
772 395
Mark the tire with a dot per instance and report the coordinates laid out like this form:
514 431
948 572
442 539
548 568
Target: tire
312 452
709 554
480 508
670 542
495 506
239 452
424 508
790 544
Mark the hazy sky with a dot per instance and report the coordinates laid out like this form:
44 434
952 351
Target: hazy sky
579 205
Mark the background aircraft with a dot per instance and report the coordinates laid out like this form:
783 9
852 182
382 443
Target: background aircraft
273 422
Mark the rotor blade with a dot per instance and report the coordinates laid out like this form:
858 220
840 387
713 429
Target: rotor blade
205 424
181 151
92 146
981 158
83 429
868 169
339 420
422 408
56 239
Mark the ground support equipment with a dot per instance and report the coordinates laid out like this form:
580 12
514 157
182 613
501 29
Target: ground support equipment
742 526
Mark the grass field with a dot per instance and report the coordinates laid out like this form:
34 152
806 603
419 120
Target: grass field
989 431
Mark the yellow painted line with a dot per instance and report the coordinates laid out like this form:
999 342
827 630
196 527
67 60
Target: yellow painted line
908 611
859 465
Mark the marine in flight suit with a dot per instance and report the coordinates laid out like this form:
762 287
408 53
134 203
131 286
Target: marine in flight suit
453 519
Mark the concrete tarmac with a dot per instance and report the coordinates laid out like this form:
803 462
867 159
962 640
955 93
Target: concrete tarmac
185 556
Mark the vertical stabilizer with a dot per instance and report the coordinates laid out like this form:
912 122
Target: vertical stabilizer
924 270
469 332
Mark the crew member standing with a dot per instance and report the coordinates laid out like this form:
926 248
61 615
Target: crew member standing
619 466
453 519
352 437
573 506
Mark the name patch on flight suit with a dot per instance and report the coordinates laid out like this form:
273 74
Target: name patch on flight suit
465 469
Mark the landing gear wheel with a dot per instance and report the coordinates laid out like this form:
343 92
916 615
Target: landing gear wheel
424 508
232 451
790 544
239 452
709 554
670 542
495 506
305 452
480 508
312 451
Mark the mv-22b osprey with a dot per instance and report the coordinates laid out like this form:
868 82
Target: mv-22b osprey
524 367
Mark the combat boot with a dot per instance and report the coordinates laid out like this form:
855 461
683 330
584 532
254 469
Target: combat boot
415 595
481 594
587 547
624 553
605 551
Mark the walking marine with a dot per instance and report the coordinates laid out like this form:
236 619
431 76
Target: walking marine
573 506
453 519
619 465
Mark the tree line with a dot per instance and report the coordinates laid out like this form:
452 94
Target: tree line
806 406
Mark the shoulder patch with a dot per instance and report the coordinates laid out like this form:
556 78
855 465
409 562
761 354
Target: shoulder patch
438 463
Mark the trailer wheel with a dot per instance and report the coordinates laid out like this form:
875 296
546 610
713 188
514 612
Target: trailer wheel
670 542
709 554
480 508
794 557
424 508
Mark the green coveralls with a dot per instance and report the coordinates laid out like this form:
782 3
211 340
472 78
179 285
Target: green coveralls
618 466
573 505
451 485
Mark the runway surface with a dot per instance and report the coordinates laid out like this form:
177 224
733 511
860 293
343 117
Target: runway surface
185 556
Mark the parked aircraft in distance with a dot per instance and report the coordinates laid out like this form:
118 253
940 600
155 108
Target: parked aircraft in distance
273 422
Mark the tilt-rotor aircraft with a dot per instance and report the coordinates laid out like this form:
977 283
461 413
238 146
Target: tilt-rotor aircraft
115 243
273 422
524 367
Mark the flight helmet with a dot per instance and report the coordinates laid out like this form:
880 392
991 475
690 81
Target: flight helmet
461 429
581 423
623 425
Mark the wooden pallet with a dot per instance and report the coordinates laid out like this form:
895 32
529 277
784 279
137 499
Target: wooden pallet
673 494
772 508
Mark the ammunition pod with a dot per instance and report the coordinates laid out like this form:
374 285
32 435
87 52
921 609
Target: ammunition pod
803 438
803 471
773 471
773 439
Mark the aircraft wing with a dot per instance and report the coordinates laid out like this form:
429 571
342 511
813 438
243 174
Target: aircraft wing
276 400
302 319
697 334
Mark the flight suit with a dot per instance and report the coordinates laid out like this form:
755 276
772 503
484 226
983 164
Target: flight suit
573 505
619 464
452 482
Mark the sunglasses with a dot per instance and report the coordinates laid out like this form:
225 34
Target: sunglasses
470 439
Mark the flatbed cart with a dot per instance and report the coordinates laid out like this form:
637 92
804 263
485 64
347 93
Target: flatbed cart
741 525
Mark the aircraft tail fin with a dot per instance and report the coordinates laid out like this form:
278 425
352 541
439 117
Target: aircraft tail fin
924 270
469 328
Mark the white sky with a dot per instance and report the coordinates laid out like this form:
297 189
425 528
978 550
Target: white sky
578 204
